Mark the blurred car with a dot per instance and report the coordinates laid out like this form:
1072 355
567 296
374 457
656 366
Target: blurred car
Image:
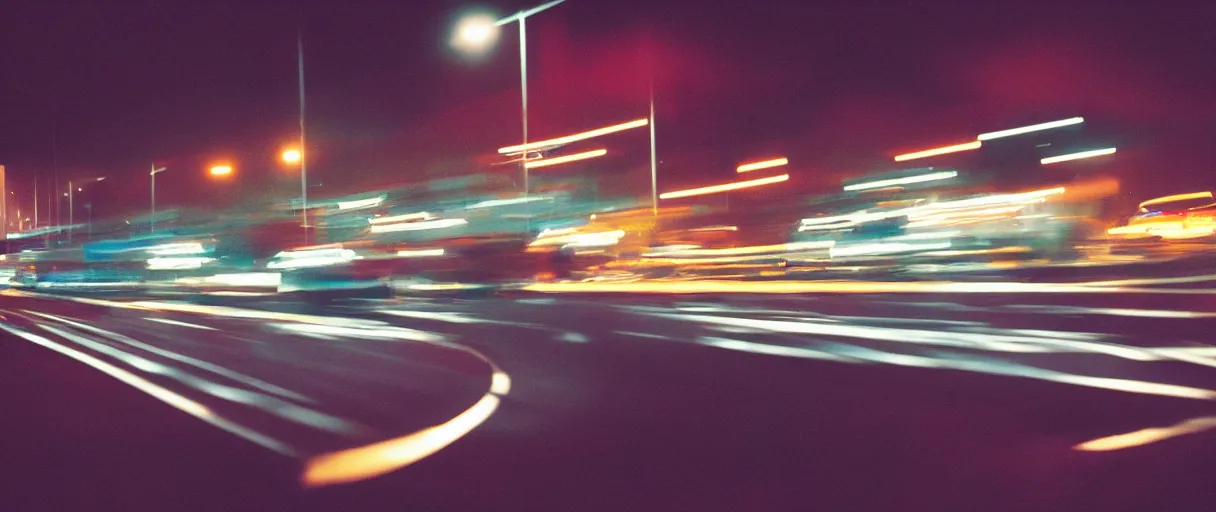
1177 217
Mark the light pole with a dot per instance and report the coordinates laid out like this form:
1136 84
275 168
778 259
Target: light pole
152 220
300 153
71 199
478 32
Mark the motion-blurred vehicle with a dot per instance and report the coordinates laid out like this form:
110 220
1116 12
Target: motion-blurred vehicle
1177 217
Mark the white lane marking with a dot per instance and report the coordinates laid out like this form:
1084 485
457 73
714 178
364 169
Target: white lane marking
221 311
1143 313
668 286
772 350
573 337
1152 281
376 332
197 363
456 318
998 367
1147 436
995 342
179 324
265 403
175 400
370 460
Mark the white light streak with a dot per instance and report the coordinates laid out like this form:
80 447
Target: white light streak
360 203
1032 128
1077 156
419 226
935 176
400 218
638 123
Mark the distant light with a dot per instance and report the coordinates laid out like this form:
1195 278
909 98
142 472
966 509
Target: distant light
177 249
938 151
1032 128
475 33
724 188
180 263
1076 156
491 203
360 203
291 156
894 182
221 170
755 166
400 218
420 253
419 226
563 159
637 123
78 189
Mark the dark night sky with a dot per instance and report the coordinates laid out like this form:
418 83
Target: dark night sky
837 86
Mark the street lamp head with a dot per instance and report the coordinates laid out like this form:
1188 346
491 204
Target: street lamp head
292 156
475 33
221 170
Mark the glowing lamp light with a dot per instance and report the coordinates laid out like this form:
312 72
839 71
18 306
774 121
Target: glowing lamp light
1076 156
475 33
545 162
1032 128
221 170
637 123
724 187
292 156
766 164
938 151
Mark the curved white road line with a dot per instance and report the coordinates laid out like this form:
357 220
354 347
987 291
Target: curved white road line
1147 435
386 456
368 461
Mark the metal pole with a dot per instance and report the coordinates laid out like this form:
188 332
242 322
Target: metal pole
654 163
152 219
35 202
523 87
303 148
71 217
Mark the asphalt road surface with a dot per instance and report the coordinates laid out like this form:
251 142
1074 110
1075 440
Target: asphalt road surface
1097 398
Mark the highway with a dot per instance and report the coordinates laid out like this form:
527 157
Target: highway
842 396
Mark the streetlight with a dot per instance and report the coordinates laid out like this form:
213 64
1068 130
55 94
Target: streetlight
478 32
71 202
221 170
292 156
152 220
